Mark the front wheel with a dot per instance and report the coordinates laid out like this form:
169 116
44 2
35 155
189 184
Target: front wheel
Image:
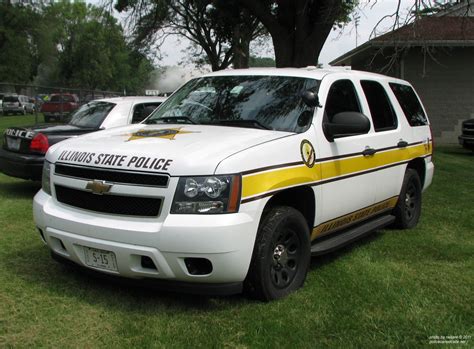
408 210
281 255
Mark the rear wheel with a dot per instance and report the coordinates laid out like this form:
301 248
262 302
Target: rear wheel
281 255
408 210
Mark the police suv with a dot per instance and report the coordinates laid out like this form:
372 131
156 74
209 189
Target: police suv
238 178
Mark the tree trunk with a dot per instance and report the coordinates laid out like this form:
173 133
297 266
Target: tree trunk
241 47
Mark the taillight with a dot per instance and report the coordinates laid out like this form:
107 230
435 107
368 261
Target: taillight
39 144
432 140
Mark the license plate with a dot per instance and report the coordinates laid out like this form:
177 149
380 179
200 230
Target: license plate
101 259
13 143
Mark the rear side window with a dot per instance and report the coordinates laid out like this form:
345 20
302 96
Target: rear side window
342 97
410 104
383 115
141 111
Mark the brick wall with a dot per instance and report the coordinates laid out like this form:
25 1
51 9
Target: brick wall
446 87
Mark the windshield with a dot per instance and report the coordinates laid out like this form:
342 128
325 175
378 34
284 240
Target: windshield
268 102
91 115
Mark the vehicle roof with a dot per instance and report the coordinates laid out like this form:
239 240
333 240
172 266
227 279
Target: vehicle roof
307 72
118 100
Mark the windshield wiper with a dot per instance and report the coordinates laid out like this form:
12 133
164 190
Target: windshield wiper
242 123
172 120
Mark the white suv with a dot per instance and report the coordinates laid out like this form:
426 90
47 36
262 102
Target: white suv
238 178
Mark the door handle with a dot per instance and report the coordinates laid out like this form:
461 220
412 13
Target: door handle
369 151
402 144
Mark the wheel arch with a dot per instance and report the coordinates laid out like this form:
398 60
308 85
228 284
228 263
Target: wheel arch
419 166
301 198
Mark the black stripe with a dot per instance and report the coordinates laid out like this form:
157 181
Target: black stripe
337 157
261 169
327 181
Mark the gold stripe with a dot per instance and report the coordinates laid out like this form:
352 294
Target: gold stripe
354 217
262 182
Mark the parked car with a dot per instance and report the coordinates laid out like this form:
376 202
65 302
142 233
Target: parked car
466 139
59 106
17 104
1 103
23 149
236 186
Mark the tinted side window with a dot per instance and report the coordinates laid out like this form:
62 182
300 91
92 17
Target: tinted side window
410 104
342 97
383 115
141 111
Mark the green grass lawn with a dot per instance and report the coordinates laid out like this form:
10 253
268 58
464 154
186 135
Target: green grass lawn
393 289
18 120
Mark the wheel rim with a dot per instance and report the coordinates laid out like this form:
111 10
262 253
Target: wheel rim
285 259
411 200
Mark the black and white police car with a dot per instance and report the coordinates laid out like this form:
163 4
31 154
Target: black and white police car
24 148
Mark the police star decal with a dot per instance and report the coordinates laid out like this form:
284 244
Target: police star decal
167 133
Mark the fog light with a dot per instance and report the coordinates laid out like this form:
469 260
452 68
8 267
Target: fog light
198 266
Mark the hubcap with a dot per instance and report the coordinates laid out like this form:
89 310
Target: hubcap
411 199
285 259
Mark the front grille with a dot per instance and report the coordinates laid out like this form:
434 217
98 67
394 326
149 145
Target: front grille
117 204
116 176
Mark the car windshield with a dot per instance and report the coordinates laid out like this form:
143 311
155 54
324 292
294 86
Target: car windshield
91 115
267 102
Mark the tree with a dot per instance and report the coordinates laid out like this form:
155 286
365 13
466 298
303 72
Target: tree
298 28
19 50
220 31
89 50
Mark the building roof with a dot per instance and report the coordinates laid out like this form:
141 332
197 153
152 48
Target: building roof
431 31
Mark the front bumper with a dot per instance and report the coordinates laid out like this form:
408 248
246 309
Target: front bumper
225 240
26 166
466 141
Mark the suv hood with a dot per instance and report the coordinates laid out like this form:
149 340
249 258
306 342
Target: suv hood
175 149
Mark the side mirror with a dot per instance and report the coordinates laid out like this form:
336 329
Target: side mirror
310 98
346 124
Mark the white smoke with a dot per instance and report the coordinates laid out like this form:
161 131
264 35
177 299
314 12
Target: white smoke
168 79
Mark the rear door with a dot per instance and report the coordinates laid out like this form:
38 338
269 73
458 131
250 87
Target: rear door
387 140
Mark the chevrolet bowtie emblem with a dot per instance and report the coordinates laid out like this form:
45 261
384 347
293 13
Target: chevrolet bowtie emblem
98 187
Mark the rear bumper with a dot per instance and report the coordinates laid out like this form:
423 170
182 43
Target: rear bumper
26 166
466 141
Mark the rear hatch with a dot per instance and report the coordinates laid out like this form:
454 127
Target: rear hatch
11 102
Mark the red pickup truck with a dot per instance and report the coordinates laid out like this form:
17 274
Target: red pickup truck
59 106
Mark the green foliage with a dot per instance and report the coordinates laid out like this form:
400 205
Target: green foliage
19 51
261 62
69 44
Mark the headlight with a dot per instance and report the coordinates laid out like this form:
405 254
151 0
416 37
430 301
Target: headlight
211 194
46 177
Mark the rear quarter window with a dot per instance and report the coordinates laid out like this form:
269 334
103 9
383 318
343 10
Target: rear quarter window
410 104
381 109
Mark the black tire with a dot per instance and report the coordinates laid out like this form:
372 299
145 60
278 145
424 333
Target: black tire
408 210
281 255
